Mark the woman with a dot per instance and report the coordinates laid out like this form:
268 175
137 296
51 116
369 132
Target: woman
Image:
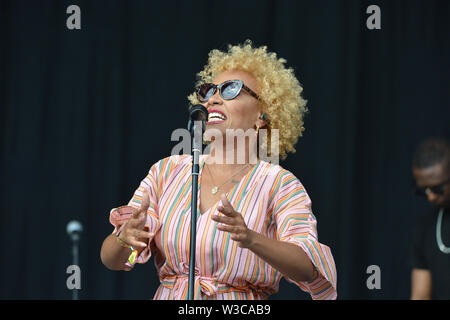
254 222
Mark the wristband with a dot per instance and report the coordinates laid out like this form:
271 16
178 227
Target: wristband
132 257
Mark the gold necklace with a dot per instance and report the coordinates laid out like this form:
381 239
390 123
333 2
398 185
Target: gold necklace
216 188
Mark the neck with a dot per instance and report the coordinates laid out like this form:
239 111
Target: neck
235 152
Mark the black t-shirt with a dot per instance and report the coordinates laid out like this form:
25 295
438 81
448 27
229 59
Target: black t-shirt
425 253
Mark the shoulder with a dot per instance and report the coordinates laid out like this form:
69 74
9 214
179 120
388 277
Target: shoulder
427 218
280 176
283 184
425 223
165 170
170 163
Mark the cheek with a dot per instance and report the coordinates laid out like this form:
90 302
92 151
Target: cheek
243 114
447 193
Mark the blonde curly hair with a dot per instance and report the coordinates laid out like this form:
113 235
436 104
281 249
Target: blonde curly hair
278 88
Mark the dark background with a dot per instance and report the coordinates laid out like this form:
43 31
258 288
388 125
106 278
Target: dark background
85 113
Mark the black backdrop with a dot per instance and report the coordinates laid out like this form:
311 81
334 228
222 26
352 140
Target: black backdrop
84 114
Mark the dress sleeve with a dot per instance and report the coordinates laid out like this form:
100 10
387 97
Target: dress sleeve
118 216
297 224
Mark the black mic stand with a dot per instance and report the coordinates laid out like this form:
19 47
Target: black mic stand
196 128
75 240
74 229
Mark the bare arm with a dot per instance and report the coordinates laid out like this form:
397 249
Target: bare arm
421 284
286 257
113 255
134 233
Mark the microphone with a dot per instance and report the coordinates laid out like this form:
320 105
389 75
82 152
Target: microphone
74 229
197 113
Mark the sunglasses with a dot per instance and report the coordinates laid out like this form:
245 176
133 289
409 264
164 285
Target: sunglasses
228 90
438 190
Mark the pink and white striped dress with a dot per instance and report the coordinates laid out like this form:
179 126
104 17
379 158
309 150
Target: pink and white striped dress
272 201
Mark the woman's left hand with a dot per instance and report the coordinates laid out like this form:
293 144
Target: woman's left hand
233 222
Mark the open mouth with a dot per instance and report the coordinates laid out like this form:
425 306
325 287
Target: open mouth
216 116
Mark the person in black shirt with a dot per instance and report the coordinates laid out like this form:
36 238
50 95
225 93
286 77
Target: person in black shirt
430 251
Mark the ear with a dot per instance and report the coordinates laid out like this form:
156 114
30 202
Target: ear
262 121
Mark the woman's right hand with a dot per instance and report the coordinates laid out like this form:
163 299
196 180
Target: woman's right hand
133 233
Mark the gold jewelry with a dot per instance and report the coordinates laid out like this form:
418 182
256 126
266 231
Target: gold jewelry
216 188
132 257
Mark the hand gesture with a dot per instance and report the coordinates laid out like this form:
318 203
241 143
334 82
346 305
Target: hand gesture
133 232
233 222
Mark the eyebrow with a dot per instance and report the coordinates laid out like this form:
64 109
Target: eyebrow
436 184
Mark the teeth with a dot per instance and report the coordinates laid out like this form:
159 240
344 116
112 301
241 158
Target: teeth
216 116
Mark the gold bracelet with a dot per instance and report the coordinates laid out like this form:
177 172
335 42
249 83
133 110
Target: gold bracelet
132 257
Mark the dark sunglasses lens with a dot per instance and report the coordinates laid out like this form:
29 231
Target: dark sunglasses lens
205 91
230 89
439 190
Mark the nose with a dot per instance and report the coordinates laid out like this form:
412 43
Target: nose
214 99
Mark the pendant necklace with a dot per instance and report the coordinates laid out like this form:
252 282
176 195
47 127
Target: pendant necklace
216 188
441 245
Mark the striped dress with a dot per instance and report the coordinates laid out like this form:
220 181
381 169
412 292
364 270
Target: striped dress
272 201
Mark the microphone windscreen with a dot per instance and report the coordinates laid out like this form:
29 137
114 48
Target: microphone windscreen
74 226
198 113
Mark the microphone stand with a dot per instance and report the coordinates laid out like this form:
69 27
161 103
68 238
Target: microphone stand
196 128
74 229
75 260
